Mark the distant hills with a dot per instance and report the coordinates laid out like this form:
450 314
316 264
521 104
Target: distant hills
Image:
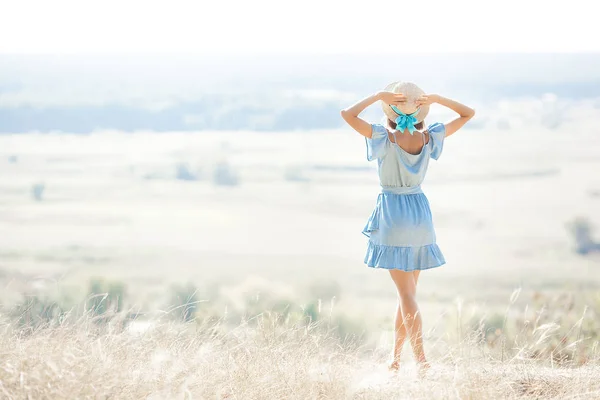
80 94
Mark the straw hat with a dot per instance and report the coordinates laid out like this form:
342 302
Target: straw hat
412 93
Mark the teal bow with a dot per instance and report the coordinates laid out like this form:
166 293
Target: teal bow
405 121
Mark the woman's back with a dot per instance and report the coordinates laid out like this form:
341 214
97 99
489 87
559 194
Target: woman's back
401 167
412 144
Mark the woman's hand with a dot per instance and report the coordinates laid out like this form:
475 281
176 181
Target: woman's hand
391 98
427 99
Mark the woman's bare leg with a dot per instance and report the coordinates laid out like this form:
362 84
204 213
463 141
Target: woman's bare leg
410 324
399 337
400 329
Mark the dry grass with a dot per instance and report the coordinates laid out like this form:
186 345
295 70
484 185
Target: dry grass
264 358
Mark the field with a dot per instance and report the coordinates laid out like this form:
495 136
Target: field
254 222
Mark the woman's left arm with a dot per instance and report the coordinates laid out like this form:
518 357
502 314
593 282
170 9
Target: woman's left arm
350 114
464 113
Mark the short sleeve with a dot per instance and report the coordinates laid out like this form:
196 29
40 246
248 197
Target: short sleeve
377 143
437 133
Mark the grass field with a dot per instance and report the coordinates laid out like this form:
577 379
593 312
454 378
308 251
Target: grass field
250 223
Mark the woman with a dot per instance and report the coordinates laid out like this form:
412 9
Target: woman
400 229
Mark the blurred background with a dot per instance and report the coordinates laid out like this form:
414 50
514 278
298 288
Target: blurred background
194 153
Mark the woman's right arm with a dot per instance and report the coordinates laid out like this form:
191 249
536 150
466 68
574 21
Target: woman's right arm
350 114
465 113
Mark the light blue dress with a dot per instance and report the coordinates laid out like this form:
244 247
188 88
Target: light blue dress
400 229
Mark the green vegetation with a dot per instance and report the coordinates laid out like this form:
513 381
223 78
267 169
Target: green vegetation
561 328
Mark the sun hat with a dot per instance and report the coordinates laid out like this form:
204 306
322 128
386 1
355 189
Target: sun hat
409 108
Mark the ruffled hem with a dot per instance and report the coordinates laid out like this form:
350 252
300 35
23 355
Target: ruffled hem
404 258
373 221
372 224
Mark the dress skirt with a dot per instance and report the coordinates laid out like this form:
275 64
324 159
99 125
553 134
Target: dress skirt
401 233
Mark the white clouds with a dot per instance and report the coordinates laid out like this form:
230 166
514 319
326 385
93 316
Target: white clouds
320 95
239 26
547 112
82 96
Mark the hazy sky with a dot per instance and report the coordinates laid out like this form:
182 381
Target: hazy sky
314 26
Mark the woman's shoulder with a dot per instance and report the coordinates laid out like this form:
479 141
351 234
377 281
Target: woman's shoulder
436 127
435 135
379 128
378 142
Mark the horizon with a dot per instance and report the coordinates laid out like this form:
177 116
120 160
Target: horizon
84 93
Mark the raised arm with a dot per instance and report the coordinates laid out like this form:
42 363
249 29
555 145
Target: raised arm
465 113
351 114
